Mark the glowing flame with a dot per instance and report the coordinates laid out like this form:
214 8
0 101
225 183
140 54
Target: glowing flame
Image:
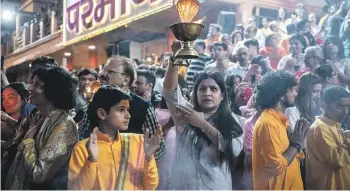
91 90
200 21
88 89
187 10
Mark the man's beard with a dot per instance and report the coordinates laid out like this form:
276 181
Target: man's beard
317 105
286 103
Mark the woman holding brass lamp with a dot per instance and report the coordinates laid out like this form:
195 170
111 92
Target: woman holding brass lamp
209 138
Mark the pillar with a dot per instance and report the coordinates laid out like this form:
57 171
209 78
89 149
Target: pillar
33 32
26 35
244 12
53 22
18 25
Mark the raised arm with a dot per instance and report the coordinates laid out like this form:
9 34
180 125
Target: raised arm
82 174
171 78
150 123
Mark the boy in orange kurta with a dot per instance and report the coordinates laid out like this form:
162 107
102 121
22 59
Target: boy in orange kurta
110 160
328 146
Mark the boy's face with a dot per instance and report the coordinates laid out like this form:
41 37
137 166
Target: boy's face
252 51
219 52
337 110
118 116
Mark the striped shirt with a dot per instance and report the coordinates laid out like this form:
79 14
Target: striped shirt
196 67
224 72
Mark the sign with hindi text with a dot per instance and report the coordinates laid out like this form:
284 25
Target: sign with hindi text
84 19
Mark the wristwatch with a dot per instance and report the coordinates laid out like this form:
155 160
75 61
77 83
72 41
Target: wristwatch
295 145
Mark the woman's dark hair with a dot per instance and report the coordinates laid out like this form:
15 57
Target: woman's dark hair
58 86
21 89
42 61
300 38
105 98
324 72
260 61
230 80
336 41
222 120
272 87
304 100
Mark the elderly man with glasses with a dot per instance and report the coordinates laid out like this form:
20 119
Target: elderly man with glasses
313 58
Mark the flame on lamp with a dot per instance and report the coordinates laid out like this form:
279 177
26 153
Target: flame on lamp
187 10
91 90
200 20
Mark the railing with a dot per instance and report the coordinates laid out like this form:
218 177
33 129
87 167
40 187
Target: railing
47 22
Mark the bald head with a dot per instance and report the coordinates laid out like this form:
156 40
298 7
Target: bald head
242 55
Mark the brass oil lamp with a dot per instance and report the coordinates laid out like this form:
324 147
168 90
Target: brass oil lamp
186 31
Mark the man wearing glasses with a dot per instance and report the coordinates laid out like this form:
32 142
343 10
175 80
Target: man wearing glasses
220 55
313 58
119 71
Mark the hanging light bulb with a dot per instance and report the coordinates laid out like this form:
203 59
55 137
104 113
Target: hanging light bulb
187 10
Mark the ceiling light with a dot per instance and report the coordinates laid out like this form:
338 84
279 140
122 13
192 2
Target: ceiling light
7 15
92 47
67 54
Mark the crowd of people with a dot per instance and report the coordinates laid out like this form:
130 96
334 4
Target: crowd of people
258 109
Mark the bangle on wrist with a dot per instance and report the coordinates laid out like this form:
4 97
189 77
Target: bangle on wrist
295 145
207 131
